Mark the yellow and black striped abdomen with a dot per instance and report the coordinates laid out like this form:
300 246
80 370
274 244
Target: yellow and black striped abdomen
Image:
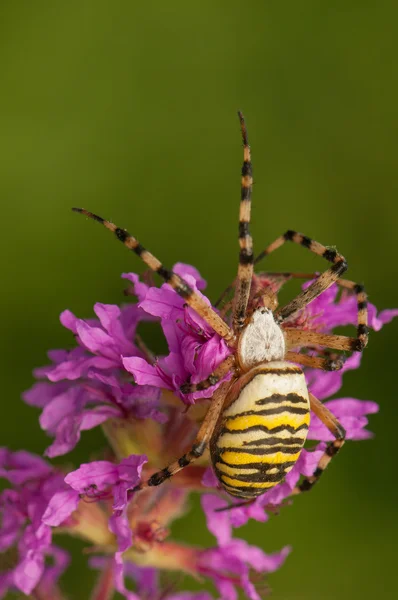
262 430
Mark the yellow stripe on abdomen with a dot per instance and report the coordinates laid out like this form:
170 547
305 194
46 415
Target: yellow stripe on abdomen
269 421
249 484
234 471
244 458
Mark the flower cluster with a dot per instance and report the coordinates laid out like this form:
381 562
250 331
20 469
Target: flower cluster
111 379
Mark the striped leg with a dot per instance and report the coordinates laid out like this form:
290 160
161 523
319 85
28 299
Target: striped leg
332 448
322 283
332 363
193 299
199 445
358 343
302 337
246 258
213 378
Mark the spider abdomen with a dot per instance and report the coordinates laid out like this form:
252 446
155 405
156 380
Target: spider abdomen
262 429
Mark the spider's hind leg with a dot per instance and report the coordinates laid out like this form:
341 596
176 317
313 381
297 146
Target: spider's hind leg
198 447
332 448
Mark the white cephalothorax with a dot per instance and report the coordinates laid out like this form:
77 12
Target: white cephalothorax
261 341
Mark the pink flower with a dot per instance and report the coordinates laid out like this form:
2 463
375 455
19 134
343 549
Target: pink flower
96 481
233 558
195 351
89 385
146 581
21 509
110 375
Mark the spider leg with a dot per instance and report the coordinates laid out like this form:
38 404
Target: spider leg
302 337
343 342
198 447
332 448
246 257
191 297
332 363
213 378
322 283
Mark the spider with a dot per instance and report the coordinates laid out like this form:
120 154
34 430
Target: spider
256 424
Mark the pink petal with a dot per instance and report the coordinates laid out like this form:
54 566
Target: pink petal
67 436
28 572
352 407
384 317
74 369
144 373
351 414
210 356
41 393
119 525
108 315
218 523
162 302
140 289
96 340
21 466
60 507
326 383
100 474
184 271
69 320
257 559
96 416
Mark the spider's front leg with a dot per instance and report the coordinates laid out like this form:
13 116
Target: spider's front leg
198 447
178 283
332 448
322 283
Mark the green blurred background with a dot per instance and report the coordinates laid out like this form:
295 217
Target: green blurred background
129 109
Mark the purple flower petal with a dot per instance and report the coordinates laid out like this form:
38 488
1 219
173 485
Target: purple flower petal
69 321
189 596
185 271
76 368
140 289
384 317
61 506
144 373
119 525
163 302
41 393
119 578
98 476
28 572
20 467
351 414
218 523
326 383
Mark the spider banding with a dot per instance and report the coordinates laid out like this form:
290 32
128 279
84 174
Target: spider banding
257 422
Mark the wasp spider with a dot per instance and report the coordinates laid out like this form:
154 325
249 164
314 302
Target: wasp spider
257 423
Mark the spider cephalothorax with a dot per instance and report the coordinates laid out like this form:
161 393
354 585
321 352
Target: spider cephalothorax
257 422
